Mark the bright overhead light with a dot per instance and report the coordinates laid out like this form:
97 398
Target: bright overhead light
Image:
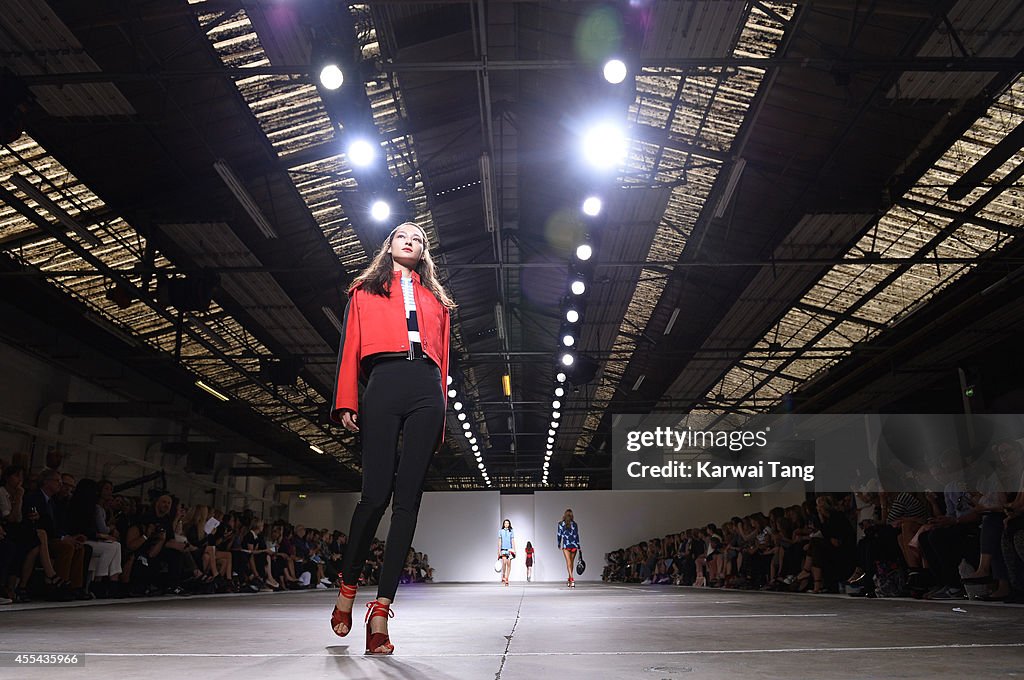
584 251
592 206
361 152
556 404
462 416
469 435
479 458
556 414
572 316
546 465
316 449
242 195
449 381
578 287
380 210
568 340
567 359
604 145
615 71
452 393
209 390
331 77
465 426
551 440
560 377
475 447
554 423
551 432
480 465
559 392
457 405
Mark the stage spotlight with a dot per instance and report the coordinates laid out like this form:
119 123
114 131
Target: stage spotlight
559 392
331 76
578 287
604 146
469 436
452 393
554 423
556 404
592 206
475 447
361 152
472 440
449 380
380 210
568 340
551 440
584 252
546 464
551 432
572 316
556 415
462 416
465 426
560 377
615 71
567 359
480 465
457 405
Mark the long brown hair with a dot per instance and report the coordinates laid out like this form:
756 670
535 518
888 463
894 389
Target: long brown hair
376 278
567 517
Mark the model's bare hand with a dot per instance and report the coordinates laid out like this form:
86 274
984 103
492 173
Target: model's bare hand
348 419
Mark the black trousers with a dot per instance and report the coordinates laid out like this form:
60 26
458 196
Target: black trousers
401 398
946 546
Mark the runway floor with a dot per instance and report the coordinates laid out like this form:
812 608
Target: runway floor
526 631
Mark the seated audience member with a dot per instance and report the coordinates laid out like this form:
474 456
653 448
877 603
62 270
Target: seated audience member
166 553
86 522
832 553
991 504
254 543
1012 545
68 556
953 536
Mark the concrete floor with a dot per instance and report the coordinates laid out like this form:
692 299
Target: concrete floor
527 632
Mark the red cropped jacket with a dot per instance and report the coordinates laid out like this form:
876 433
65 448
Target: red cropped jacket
375 324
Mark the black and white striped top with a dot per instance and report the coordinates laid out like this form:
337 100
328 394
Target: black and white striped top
906 505
415 348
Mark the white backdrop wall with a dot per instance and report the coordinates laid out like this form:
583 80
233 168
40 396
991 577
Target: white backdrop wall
459 530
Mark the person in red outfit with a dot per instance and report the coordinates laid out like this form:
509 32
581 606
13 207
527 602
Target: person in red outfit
395 336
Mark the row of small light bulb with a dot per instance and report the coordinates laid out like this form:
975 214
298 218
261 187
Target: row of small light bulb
467 430
578 287
556 414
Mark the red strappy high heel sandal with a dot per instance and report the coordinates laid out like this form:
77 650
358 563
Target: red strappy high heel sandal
572 582
338 617
375 641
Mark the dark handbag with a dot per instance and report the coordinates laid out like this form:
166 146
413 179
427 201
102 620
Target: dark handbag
581 565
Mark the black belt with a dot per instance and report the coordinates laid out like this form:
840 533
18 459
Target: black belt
376 359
